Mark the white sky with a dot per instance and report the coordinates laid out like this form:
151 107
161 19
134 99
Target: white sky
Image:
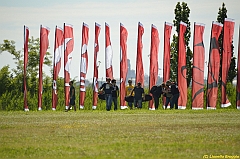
14 14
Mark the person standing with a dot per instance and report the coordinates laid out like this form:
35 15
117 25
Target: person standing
72 96
138 95
167 93
107 90
175 96
129 89
115 93
156 91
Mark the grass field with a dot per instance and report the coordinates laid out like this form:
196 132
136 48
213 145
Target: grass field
120 134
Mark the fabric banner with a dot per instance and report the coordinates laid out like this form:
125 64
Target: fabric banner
153 74
84 65
139 63
26 37
213 66
95 71
108 53
198 67
68 49
182 68
238 74
166 53
58 49
44 31
123 65
228 29
167 50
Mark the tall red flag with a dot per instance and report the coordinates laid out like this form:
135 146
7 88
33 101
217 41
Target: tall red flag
198 67
68 49
84 65
95 71
213 66
153 74
123 64
228 29
238 73
44 31
182 69
167 50
139 63
26 36
58 48
108 52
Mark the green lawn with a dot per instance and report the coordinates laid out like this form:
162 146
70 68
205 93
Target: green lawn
120 134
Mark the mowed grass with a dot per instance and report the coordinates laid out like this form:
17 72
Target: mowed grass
119 134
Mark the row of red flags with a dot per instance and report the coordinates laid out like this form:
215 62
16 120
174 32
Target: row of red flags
64 42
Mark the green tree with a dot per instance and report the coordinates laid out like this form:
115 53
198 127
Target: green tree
5 80
182 13
222 14
15 92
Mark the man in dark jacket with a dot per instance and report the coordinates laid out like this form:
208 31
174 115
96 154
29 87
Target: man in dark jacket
138 95
107 89
156 91
175 96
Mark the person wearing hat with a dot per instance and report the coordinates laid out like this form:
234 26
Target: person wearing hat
107 90
129 89
138 95
115 93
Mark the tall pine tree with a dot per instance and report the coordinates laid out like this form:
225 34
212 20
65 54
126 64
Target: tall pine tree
222 14
182 13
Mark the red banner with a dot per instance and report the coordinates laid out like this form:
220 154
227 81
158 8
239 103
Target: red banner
167 49
198 67
108 52
44 31
182 68
238 73
26 36
228 29
68 49
123 65
84 65
95 71
153 74
213 66
58 48
139 63
166 54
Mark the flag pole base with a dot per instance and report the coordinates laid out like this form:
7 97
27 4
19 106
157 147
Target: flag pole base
196 108
151 108
123 107
225 105
211 108
181 107
81 107
26 110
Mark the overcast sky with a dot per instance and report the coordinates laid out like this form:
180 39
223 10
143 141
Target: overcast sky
14 14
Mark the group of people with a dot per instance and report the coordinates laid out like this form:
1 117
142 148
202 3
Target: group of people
134 94
111 92
170 91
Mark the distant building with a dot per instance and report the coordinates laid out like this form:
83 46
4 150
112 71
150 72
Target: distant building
131 73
